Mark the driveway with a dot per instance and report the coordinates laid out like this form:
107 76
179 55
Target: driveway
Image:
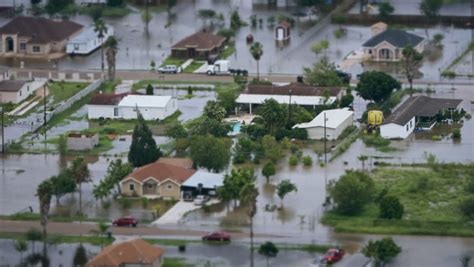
173 216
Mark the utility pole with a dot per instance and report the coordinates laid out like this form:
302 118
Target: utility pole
325 141
3 132
289 109
146 16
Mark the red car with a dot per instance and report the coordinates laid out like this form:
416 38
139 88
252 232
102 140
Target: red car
216 236
334 255
125 221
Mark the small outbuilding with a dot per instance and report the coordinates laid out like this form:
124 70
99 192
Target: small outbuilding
82 141
199 45
87 41
15 91
203 183
283 31
336 121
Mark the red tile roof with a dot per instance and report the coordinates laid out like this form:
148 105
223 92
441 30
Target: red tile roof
161 171
296 89
108 99
136 251
201 41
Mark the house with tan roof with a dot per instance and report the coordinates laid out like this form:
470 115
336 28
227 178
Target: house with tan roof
15 91
36 37
199 45
137 253
156 180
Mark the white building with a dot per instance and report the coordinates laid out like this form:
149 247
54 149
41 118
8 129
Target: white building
336 121
15 91
124 106
87 41
415 112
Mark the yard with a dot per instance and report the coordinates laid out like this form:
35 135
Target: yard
61 91
431 195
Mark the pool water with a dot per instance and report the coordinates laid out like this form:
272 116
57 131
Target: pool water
236 126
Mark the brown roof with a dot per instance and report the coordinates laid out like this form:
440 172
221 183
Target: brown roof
161 171
41 30
284 24
11 85
201 41
135 251
296 89
186 163
420 106
108 99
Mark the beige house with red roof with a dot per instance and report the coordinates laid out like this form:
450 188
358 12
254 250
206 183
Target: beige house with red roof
199 45
137 253
36 37
156 180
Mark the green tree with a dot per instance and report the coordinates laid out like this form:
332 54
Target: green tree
268 250
319 47
149 89
322 73
116 171
385 10
376 86
213 110
352 192
284 188
169 5
44 193
346 100
271 148
101 232
257 51
235 21
466 208
62 184
176 130
273 115
268 170
80 174
56 6
243 150
101 29
235 181
115 3
80 256
437 39
35 2
111 44
381 251
248 199
21 246
152 65
411 60
363 159
430 8
147 16
143 149
307 161
33 235
391 208
206 14
209 152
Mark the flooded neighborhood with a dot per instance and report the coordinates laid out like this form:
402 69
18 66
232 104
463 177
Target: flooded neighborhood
237 133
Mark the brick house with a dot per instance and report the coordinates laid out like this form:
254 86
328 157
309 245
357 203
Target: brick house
199 45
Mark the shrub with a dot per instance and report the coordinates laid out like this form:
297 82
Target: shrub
457 133
145 202
307 161
285 143
125 203
467 208
293 161
470 185
419 184
227 33
352 192
391 208
339 33
268 170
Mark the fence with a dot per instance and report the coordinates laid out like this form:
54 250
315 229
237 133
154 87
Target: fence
69 102
70 76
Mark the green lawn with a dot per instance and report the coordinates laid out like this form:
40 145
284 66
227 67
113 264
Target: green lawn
430 197
228 51
176 262
63 90
172 61
63 239
194 66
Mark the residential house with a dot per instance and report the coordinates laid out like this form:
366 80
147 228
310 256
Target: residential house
136 253
156 180
296 93
87 41
199 45
125 106
332 121
387 44
4 73
277 3
15 91
82 141
36 37
416 112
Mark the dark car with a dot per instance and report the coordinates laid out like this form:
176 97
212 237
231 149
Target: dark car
346 77
125 221
216 236
334 255
188 196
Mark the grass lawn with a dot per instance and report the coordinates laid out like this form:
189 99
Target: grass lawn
430 196
176 262
28 216
194 66
172 61
219 85
63 90
228 51
62 239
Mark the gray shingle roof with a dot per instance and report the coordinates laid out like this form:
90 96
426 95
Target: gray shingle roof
420 106
11 85
395 37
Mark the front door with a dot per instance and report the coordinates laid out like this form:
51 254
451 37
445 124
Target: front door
191 52
10 47
149 188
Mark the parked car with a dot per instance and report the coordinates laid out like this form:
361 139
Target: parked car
168 69
201 200
216 236
334 255
188 196
125 221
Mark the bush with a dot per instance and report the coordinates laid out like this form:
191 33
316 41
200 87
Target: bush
467 208
145 202
470 185
125 203
352 192
293 161
285 143
227 33
391 208
376 141
457 133
307 161
419 184
339 33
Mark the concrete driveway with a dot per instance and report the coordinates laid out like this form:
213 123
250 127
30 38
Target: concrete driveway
174 215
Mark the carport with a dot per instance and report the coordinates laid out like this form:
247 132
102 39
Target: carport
202 183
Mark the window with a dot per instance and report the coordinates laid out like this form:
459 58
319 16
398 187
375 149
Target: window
28 88
115 112
20 92
76 47
150 186
22 46
36 49
411 123
131 187
407 128
169 187
370 51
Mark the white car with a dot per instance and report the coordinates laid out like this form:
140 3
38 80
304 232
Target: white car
201 200
168 69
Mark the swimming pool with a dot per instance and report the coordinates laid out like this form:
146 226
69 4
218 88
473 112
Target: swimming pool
236 127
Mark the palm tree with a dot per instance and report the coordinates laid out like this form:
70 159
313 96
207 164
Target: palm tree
101 231
44 193
112 47
248 198
101 29
81 175
257 51
21 246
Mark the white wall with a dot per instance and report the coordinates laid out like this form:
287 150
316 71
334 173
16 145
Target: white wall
317 133
129 113
392 130
97 111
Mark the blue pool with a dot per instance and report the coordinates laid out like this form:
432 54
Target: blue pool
235 129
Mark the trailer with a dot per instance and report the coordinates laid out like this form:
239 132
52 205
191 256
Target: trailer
222 67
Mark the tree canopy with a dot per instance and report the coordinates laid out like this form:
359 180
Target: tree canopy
143 149
213 110
390 208
284 188
273 115
430 8
411 60
385 9
322 73
376 86
268 170
62 184
234 182
352 192
209 152
382 250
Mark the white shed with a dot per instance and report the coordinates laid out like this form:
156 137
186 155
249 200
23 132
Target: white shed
87 41
150 106
336 121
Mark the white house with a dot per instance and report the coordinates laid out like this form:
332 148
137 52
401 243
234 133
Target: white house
15 91
336 121
124 106
93 2
87 41
415 112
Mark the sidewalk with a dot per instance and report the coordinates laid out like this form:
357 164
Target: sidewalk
176 213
